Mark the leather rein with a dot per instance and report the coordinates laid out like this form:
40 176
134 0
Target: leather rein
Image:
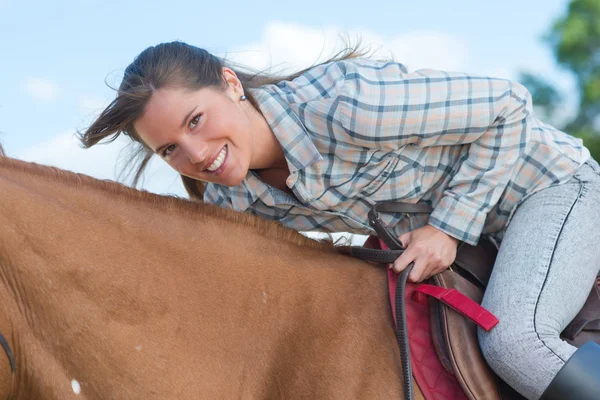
388 257
11 359
9 353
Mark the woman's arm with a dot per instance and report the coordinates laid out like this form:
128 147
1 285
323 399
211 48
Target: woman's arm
381 106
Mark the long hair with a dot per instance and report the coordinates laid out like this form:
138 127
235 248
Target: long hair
178 65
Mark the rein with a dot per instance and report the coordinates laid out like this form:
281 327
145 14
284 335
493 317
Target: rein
11 357
9 353
388 257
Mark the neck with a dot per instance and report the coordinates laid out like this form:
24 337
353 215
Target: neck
127 294
266 150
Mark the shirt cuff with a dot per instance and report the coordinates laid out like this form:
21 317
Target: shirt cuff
458 220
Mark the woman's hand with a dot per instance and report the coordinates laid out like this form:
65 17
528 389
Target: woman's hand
431 249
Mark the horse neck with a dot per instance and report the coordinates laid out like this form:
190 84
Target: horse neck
94 276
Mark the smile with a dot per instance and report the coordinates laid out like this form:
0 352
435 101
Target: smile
218 161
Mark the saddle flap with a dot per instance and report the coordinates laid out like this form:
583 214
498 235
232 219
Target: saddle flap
476 262
461 345
586 325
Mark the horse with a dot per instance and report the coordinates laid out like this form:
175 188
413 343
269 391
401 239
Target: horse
113 293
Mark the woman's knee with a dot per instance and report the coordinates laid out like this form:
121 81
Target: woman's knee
519 348
511 344
495 345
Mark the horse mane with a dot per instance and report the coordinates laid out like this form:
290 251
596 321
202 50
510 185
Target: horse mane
1 150
190 209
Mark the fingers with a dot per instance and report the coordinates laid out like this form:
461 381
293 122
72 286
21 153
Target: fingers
431 253
405 239
402 262
419 271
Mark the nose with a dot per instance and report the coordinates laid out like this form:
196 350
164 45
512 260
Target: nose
195 151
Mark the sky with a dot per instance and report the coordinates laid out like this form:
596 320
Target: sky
59 57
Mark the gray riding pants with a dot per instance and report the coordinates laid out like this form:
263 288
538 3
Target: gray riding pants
547 263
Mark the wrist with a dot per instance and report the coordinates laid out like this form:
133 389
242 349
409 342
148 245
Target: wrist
452 238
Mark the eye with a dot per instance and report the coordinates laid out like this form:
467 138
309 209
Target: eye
166 153
194 121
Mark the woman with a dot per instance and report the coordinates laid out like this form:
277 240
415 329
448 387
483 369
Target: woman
315 150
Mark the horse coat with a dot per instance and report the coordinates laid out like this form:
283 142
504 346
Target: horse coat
108 292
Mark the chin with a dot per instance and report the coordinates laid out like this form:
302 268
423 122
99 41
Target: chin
235 181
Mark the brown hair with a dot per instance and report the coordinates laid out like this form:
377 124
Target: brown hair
181 65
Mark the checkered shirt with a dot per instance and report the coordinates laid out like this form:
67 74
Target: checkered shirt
358 132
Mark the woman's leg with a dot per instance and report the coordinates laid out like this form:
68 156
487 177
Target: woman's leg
546 266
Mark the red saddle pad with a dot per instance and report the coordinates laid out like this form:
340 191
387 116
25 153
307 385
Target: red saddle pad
434 381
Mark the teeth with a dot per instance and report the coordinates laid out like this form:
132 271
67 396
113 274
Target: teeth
217 163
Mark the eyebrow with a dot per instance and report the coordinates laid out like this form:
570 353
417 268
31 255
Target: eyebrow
182 126
187 117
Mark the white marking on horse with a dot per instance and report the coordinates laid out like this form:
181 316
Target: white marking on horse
76 387
138 348
265 296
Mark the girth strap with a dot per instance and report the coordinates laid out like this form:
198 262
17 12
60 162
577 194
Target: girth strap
460 303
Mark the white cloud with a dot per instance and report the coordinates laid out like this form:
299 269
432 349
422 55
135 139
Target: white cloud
429 50
92 104
42 89
282 44
63 151
296 46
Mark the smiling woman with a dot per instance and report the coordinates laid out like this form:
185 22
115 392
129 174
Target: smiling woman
316 150
171 92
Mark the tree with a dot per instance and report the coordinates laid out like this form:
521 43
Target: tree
544 96
575 40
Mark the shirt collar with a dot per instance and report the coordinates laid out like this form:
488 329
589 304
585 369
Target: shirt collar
298 148
245 194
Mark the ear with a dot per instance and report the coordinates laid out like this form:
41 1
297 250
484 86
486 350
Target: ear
233 83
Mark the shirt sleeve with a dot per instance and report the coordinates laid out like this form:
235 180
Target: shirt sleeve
381 106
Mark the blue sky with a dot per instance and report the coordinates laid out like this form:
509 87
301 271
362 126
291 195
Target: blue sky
56 55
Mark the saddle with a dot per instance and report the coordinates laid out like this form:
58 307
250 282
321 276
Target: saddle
454 335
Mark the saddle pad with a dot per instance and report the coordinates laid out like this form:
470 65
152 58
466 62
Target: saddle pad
434 381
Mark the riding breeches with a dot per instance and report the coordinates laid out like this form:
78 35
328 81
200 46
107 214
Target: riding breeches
547 263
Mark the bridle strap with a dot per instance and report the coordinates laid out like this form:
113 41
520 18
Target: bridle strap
9 353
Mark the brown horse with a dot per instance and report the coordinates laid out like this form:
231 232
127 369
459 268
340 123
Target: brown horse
112 293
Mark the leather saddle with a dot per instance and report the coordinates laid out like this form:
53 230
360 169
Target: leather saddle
454 335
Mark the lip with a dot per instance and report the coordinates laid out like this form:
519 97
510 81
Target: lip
221 169
205 166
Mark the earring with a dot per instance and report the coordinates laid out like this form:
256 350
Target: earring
243 97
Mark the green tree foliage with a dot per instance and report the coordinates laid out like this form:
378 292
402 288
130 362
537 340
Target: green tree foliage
546 98
575 40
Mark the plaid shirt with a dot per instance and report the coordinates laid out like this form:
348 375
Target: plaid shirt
357 132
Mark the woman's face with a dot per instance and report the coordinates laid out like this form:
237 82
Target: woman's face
203 134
